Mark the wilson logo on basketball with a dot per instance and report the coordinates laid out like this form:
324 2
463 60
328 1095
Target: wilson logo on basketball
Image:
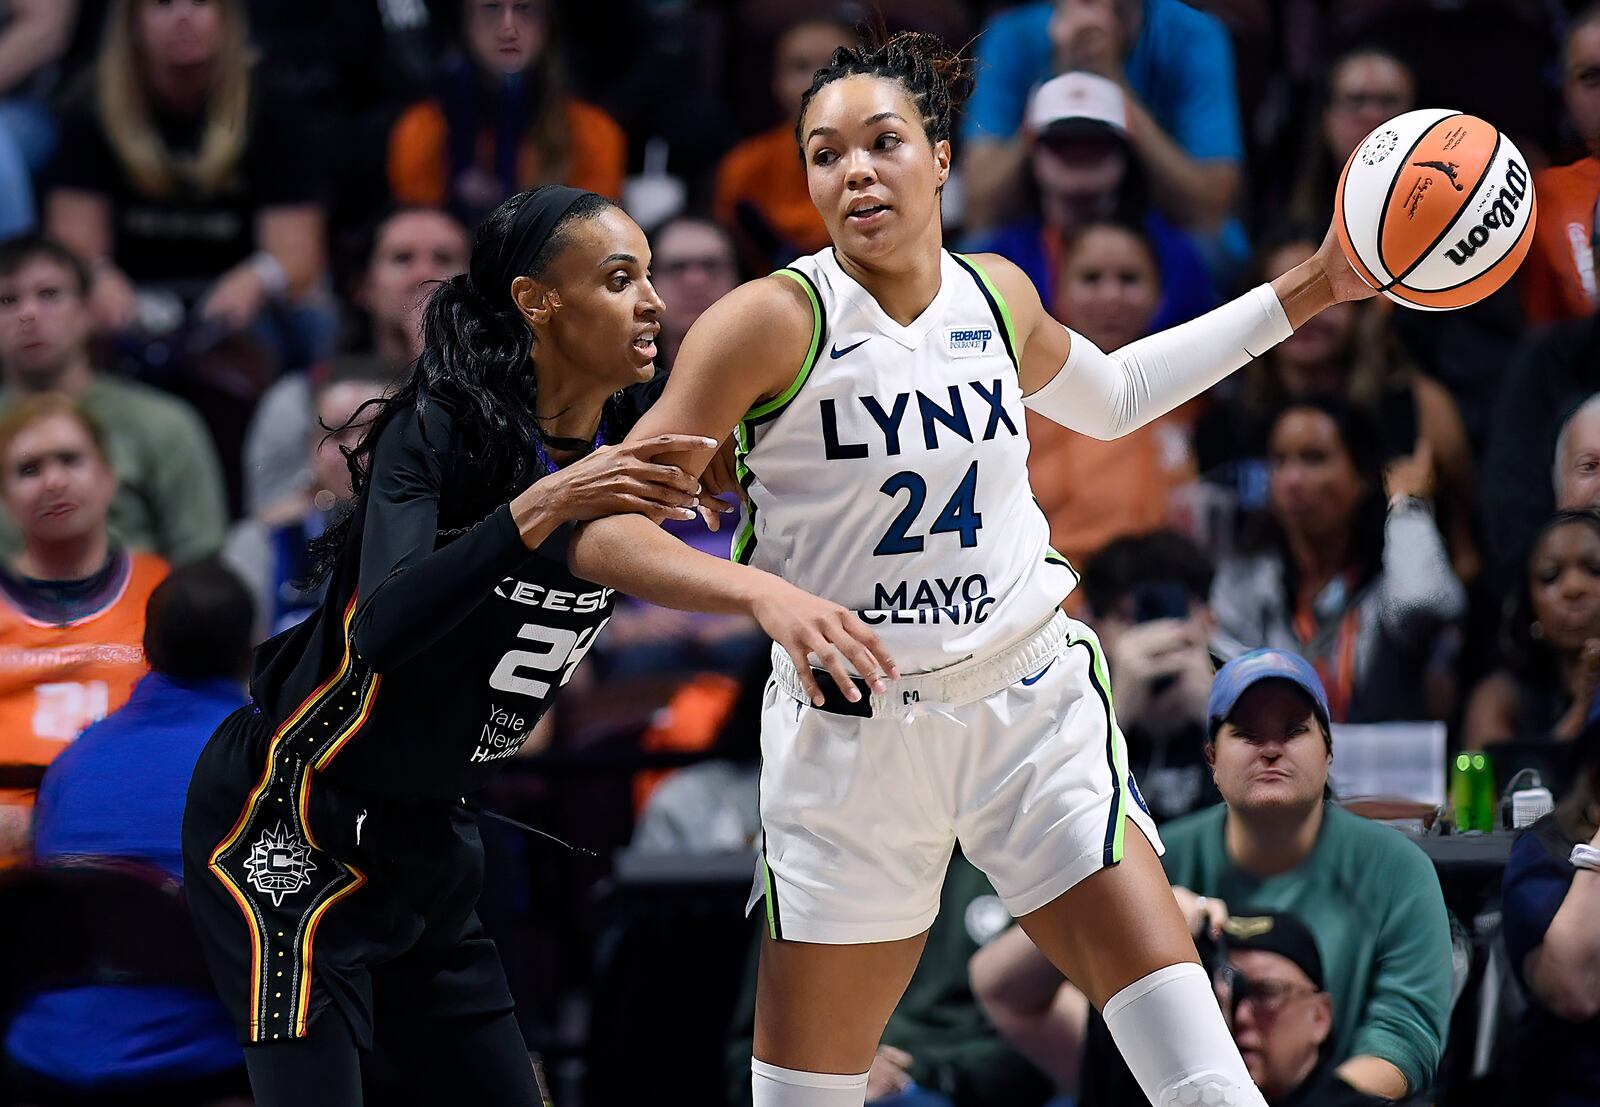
1501 211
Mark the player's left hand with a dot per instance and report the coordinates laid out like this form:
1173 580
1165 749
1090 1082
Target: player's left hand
721 476
1340 274
235 300
804 625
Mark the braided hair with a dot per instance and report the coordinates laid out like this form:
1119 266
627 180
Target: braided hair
477 362
937 78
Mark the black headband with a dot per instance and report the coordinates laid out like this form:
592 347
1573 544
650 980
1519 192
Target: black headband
536 217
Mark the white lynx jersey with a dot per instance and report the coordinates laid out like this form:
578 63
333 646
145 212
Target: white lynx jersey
891 476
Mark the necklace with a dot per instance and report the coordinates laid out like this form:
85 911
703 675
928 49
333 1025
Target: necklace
548 464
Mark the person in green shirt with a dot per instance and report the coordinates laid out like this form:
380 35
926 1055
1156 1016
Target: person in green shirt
1278 843
169 497
1370 896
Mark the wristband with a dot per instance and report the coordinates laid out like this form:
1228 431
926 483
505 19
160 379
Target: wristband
1585 856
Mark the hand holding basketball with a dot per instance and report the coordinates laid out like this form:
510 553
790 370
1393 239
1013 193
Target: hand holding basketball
1343 281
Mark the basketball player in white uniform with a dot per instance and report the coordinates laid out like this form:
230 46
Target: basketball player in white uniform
877 391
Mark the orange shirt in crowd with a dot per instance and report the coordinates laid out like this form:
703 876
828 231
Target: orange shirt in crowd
56 679
765 172
690 722
1092 492
1558 276
419 154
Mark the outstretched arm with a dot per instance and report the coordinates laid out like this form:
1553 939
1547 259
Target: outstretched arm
748 346
1065 377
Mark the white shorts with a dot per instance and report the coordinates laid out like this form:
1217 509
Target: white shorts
1017 756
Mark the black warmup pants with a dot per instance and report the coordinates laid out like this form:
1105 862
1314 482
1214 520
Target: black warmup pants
337 923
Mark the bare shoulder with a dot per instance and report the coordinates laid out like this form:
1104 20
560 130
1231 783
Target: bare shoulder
1020 294
749 344
772 309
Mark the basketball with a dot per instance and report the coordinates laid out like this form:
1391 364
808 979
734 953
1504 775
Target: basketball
1435 209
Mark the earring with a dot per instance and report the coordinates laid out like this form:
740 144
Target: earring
1536 631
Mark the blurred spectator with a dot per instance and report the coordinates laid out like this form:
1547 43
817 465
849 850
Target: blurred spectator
1349 350
118 793
1552 642
713 806
1278 841
761 184
1176 65
1281 1015
1576 476
361 63
33 36
1558 278
693 266
410 250
1365 86
1148 603
1092 491
169 483
1551 895
503 121
1348 567
72 602
1554 372
1370 895
181 171
1083 170
938 1049
272 551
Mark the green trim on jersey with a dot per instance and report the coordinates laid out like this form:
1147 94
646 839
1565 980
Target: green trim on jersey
744 540
1116 757
997 305
762 412
1052 557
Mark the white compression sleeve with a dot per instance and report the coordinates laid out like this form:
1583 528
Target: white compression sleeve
1107 395
1170 1031
772 1086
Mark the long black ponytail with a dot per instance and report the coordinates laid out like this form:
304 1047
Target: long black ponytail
476 361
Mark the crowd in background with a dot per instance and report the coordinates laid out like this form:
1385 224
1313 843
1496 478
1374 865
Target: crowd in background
219 220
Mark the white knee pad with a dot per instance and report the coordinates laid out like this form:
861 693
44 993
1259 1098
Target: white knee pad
778 1087
1171 1032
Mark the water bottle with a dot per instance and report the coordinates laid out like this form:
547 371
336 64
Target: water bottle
1472 793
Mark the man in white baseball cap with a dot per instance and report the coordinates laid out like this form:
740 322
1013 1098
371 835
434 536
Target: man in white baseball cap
1083 169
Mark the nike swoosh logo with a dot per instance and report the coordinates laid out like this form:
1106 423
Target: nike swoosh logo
837 353
1036 677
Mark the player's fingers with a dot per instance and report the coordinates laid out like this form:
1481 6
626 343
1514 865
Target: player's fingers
833 661
720 476
860 657
672 444
655 510
802 669
867 637
669 476
711 502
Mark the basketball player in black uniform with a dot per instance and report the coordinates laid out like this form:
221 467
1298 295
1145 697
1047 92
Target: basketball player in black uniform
331 864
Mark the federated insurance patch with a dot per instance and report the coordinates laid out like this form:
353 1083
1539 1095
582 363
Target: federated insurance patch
969 341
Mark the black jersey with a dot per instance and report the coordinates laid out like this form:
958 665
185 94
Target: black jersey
441 639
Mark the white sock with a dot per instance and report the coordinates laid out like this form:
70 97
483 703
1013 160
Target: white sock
1170 1031
777 1087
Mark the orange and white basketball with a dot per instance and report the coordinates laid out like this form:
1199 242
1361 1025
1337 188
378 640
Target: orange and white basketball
1435 209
